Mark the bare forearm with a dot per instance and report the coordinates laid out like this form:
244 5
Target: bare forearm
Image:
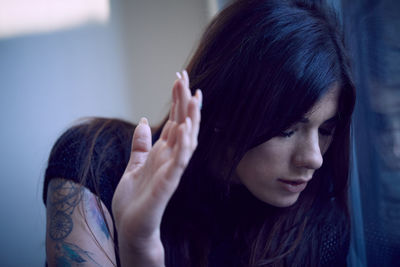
76 232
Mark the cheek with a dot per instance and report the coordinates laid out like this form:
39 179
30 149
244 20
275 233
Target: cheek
265 160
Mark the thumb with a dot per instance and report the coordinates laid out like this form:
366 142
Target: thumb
141 145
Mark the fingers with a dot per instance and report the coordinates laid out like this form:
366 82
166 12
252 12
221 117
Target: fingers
182 102
183 150
165 131
180 98
172 134
184 96
172 111
183 105
194 114
186 78
141 145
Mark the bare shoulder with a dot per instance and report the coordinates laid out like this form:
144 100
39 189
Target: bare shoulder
76 231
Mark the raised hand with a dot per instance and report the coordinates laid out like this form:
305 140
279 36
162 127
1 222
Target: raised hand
152 176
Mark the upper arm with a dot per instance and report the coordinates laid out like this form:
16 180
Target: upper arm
76 232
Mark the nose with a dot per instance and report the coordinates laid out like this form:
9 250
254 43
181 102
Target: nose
308 153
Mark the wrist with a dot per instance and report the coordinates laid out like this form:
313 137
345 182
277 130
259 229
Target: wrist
141 252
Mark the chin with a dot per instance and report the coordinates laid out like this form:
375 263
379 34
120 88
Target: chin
282 202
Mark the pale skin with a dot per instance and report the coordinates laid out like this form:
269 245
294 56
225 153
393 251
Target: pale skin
293 156
76 235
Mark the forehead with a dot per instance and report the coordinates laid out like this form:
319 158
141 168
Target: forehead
326 107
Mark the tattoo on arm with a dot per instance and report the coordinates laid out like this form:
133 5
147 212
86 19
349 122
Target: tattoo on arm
68 254
63 198
95 215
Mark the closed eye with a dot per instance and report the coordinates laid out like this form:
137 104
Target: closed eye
287 134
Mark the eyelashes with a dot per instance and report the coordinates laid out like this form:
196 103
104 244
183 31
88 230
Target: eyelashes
322 131
286 134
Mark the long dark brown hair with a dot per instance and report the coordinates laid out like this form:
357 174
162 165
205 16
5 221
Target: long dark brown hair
261 65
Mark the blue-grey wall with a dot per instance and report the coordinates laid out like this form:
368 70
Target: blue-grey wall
122 69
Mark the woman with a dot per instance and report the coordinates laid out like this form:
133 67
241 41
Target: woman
266 184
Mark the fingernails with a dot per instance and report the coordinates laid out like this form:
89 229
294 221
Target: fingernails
199 96
143 120
185 74
186 77
178 75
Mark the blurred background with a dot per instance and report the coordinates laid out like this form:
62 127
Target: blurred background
373 29
64 60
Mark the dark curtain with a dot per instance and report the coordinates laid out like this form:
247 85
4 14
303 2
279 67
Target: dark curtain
373 34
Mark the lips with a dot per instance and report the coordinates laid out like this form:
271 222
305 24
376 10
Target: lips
294 186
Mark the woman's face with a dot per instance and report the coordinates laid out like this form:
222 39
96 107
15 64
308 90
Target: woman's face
278 170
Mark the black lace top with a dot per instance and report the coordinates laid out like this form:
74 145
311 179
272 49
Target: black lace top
69 152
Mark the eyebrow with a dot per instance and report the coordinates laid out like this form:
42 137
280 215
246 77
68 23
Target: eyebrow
330 120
